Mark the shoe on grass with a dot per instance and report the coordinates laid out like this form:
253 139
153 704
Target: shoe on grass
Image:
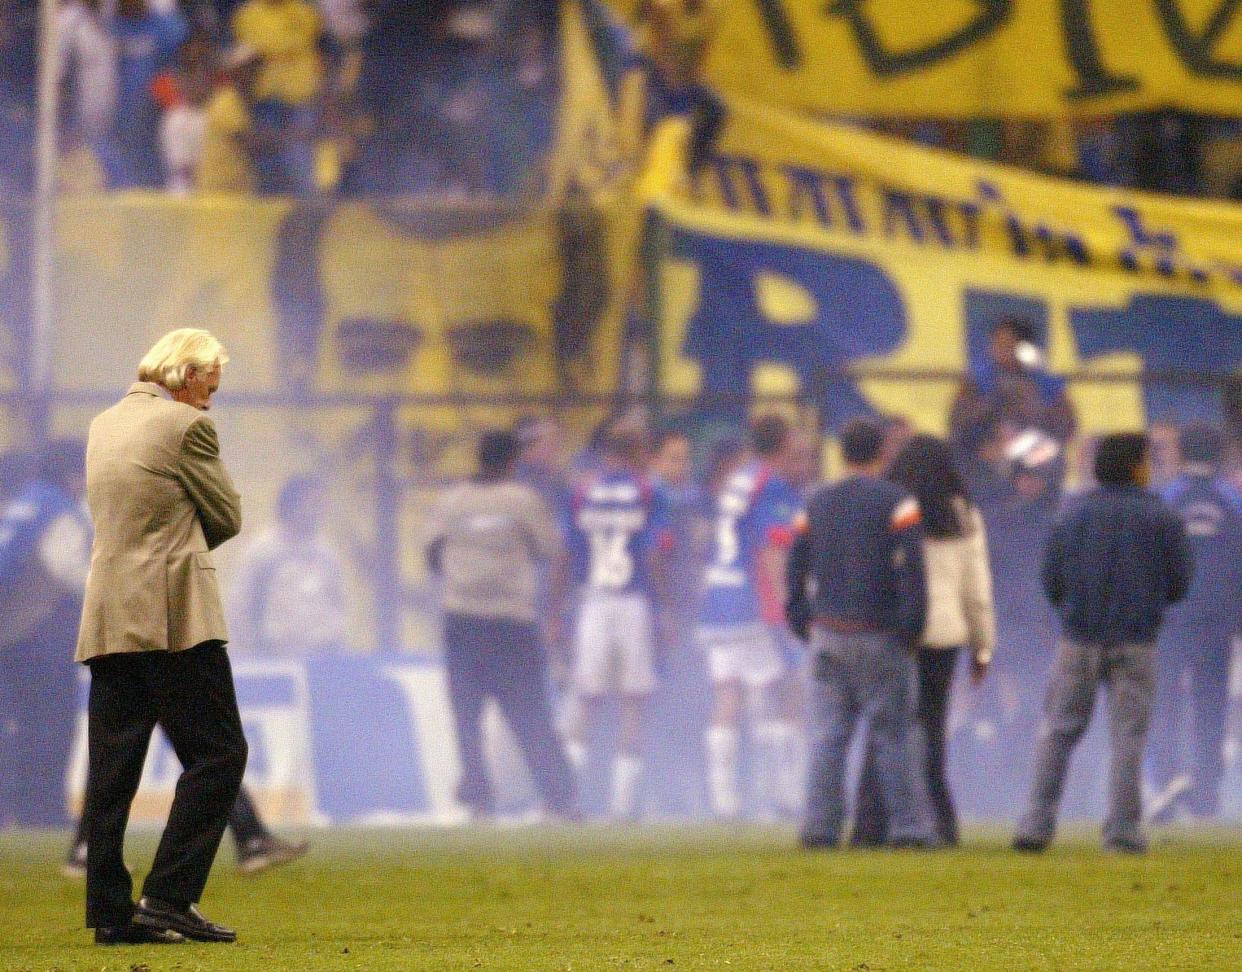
134 934
154 914
264 853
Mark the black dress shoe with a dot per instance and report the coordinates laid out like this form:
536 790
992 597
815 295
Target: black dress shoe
187 921
135 934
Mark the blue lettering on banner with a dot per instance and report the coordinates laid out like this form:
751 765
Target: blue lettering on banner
858 313
1177 334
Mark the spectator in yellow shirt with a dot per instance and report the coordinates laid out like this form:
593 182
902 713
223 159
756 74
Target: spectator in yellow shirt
231 141
285 33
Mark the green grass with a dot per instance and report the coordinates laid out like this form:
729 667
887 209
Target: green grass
665 898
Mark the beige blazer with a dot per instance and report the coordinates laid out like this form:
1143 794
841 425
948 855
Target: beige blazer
160 499
959 591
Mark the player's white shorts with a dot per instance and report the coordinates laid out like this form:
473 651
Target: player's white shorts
615 645
743 653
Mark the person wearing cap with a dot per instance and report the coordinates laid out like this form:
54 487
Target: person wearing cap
489 538
1196 641
1113 565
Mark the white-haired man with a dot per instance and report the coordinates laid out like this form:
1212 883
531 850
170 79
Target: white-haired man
153 636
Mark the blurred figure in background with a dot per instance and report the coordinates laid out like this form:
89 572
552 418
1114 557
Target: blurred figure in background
857 593
682 702
541 463
289 596
182 91
146 41
743 594
621 539
959 615
782 774
286 35
1009 423
489 537
45 541
1013 386
87 57
231 140
1112 567
1195 644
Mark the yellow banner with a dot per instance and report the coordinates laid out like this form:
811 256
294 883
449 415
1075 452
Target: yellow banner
961 58
803 250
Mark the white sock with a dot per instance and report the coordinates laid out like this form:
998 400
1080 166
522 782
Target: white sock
577 754
626 770
721 745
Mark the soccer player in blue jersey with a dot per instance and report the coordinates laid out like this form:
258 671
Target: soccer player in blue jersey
742 604
620 538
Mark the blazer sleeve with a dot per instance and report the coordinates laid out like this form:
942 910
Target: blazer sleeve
977 599
202 474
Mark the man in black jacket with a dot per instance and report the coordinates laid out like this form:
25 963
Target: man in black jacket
1112 566
857 592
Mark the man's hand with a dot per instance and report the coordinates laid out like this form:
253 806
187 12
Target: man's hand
978 671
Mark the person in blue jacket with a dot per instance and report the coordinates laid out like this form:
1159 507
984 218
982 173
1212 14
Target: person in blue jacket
1196 641
1112 566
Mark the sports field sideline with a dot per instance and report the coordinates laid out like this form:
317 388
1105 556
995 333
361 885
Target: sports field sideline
660 898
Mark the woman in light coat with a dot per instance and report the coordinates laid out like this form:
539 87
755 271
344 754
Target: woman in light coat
960 616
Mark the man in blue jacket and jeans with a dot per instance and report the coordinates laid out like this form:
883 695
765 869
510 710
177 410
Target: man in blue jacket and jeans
858 592
1111 568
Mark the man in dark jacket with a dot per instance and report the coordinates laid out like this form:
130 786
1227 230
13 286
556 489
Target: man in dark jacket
857 592
1112 566
1196 640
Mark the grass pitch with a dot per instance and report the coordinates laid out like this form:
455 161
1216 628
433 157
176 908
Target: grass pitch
665 898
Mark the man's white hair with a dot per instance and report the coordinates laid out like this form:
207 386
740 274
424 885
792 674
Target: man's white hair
176 352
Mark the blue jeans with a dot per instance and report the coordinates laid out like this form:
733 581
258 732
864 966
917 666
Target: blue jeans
861 678
288 168
1128 671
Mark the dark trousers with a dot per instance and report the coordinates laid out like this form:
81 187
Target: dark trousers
189 694
504 659
1201 653
245 824
936 667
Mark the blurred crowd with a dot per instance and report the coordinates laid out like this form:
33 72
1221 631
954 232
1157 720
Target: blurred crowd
288 97
1159 151
445 97
672 694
